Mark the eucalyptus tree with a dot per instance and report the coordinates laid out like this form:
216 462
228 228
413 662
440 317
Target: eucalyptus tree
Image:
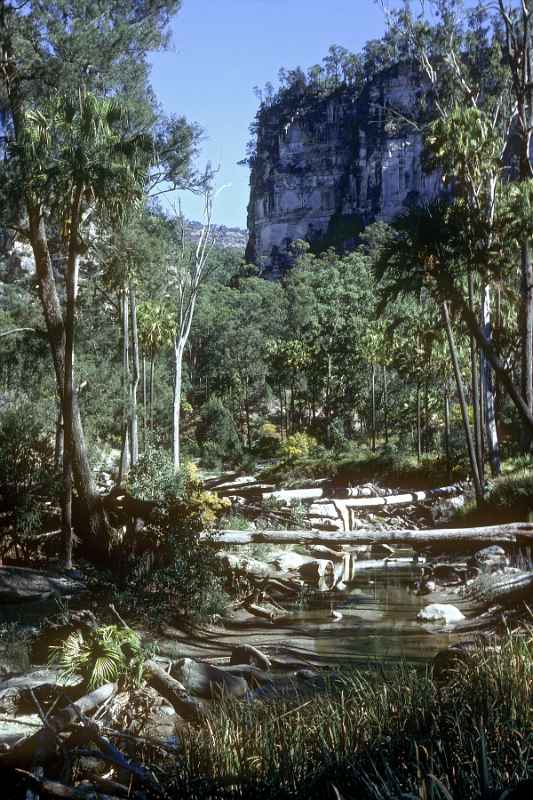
187 271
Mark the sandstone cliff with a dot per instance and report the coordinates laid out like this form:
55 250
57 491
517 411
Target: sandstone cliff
326 169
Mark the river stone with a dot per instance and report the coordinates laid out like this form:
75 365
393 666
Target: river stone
205 680
439 612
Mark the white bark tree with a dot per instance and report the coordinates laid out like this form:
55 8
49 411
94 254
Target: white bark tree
186 277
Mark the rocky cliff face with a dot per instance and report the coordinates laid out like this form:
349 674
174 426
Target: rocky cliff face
324 171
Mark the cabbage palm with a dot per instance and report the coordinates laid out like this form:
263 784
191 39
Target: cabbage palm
77 158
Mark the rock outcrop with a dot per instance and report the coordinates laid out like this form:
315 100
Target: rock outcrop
324 170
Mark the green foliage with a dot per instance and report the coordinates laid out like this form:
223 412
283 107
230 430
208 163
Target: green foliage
217 433
26 466
105 655
154 477
268 441
298 445
187 575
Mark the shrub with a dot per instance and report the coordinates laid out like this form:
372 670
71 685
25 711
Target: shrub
269 440
187 575
154 477
298 445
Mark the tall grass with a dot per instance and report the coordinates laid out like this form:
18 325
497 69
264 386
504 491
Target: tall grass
374 737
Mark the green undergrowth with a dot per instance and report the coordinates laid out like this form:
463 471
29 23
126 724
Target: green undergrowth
509 498
374 737
353 467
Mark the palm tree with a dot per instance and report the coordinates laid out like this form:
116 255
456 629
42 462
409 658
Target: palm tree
77 158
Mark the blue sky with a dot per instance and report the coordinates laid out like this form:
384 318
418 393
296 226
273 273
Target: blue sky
223 48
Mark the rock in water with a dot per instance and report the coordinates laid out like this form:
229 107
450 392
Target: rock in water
205 680
439 612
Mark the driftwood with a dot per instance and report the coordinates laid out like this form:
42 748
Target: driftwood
511 590
449 538
19 584
187 707
293 495
41 744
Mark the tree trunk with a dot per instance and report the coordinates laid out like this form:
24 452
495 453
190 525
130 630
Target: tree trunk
145 397
385 405
464 411
176 403
476 404
526 324
447 428
93 512
461 539
58 447
151 415
418 423
373 405
125 451
501 372
489 389
135 377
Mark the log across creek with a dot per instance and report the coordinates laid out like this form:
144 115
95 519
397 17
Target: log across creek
518 533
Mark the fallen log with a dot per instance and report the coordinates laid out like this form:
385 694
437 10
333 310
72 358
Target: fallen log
510 590
366 496
187 707
291 495
449 538
42 743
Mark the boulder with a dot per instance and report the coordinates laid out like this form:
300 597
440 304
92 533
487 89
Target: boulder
19 584
46 684
440 612
205 680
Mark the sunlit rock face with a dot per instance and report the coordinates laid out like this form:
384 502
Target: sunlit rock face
324 171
